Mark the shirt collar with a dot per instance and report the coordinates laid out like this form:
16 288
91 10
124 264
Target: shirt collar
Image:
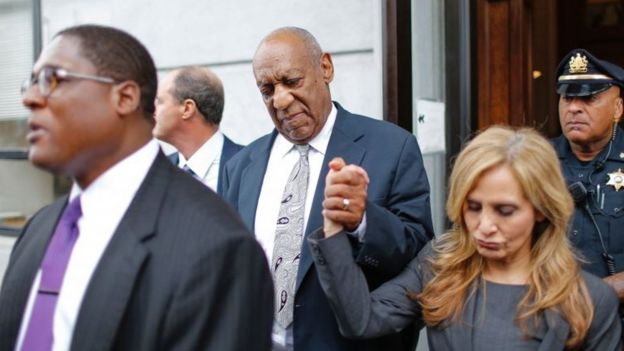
205 156
617 150
564 151
319 143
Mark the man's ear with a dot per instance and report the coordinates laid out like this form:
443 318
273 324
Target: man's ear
189 107
328 67
619 109
127 97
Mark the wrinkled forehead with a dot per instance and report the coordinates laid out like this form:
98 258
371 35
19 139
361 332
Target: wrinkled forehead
280 62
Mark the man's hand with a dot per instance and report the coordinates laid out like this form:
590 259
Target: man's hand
346 191
617 282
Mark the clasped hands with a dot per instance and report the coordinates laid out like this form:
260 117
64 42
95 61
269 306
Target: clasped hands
346 191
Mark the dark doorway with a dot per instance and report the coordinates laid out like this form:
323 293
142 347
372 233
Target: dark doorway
519 44
595 25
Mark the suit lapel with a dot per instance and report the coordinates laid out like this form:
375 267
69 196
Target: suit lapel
251 180
112 283
24 264
227 151
342 143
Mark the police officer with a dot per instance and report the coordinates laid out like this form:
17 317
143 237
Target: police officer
591 152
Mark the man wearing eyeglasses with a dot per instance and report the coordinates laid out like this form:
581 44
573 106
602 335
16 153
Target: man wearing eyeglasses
189 107
139 256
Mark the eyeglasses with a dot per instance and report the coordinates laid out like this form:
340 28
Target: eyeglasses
49 78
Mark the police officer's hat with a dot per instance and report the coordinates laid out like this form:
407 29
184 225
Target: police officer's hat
582 74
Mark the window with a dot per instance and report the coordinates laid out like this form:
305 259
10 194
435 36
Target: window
17 48
23 188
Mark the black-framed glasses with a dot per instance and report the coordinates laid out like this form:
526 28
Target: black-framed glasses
48 79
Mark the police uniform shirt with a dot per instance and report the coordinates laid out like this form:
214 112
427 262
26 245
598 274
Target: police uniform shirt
603 177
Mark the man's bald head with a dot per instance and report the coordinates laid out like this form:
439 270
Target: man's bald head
296 36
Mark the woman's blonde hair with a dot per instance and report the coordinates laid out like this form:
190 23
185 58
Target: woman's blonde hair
555 280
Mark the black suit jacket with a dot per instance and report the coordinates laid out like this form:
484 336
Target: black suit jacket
180 273
229 149
398 218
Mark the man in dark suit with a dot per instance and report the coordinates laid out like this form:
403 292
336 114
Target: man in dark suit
143 257
385 193
189 107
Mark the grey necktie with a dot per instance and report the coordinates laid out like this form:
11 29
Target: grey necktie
288 237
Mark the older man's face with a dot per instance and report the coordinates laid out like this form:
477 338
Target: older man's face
294 88
72 129
589 120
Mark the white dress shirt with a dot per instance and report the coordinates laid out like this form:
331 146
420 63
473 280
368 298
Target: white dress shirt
283 158
205 161
103 203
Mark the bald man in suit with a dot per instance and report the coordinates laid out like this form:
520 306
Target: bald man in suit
386 207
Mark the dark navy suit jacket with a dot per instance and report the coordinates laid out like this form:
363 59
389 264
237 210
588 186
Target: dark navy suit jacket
181 272
397 211
229 149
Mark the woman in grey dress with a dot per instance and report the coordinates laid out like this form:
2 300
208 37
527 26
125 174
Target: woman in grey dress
503 278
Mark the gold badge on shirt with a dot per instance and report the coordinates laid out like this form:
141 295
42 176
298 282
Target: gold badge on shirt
616 179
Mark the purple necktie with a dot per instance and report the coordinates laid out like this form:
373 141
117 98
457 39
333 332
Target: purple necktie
39 336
